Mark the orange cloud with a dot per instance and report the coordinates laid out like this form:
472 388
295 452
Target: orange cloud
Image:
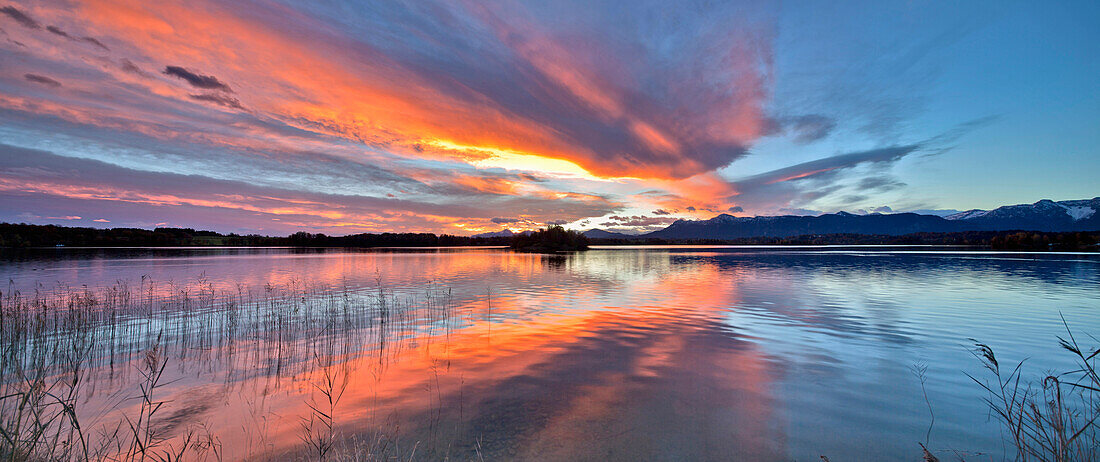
107 193
487 184
327 83
476 89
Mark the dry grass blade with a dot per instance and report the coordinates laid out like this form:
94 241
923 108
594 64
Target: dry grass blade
1054 420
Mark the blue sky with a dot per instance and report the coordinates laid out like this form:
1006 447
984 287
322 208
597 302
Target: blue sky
905 73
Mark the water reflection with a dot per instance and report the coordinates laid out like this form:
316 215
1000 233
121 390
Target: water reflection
609 354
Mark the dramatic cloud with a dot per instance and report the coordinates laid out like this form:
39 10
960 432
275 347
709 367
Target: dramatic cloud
42 80
20 17
536 93
208 82
526 105
429 115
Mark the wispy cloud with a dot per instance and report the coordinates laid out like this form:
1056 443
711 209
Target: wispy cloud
196 80
803 129
32 180
20 17
786 190
57 31
42 80
219 99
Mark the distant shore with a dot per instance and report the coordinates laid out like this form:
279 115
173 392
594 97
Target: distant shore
27 236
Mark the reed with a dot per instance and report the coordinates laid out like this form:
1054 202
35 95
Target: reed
1053 419
56 343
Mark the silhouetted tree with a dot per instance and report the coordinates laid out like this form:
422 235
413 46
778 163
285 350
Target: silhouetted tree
552 239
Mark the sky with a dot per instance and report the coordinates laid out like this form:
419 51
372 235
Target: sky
463 117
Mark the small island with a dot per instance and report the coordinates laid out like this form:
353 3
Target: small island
551 239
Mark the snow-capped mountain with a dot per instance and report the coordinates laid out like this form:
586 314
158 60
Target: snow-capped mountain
730 227
1045 215
972 213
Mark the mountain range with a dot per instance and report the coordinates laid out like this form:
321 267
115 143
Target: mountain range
1045 215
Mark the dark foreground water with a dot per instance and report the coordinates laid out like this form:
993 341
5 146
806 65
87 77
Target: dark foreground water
612 354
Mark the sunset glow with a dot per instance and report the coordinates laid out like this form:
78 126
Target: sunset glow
274 117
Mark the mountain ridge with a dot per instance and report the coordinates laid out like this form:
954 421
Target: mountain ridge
1044 215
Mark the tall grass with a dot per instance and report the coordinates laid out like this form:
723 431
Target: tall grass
58 345
1055 419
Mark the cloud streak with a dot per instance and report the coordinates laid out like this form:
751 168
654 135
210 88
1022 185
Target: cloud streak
207 82
788 190
20 17
47 184
221 100
57 31
42 80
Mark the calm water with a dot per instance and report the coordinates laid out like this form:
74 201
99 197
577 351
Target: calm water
621 353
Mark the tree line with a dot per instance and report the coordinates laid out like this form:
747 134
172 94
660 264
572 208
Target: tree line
550 239
26 235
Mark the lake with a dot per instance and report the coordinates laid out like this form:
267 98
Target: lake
624 353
